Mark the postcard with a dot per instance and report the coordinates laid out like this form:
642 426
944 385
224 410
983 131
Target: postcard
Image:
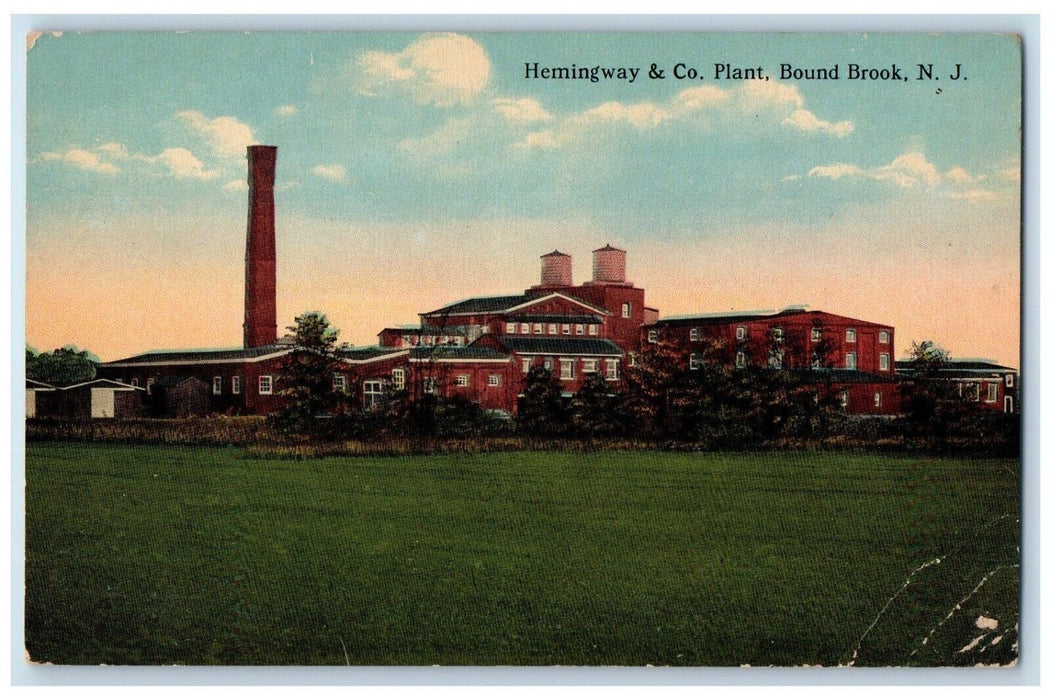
523 349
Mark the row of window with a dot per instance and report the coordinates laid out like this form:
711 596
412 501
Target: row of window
523 328
567 366
266 384
778 333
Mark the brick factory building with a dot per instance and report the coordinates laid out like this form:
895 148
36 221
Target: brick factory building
482 348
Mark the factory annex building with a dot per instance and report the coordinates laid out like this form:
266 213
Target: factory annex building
482 348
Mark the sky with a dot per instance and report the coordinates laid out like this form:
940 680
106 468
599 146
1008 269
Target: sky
418 169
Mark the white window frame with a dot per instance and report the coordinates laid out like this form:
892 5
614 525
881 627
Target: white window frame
612 369
778 334
741 361
852 335
549 364
742 332
235 384
397 378
217 385
494 380
625 310
527 363
992 392
567 368
266 384
512 327
372 391
695 334
850 360
884 337
592 329
844 398
463 380
580 329
815 335
538 329
589 365
552 329
633 359
566 328
652 336
430 385
695 361
1009 380
525 328
339 383
877 399
884 362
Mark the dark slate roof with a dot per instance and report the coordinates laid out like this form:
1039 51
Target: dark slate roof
560 346
174 381
959 366
556 254
367 353
175 356
719 319
452 352
498 304
554 318
607 247
841 376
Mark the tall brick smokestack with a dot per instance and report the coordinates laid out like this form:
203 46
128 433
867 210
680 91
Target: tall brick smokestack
260 324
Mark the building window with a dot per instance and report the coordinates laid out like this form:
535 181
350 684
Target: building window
815 361
884 362
625 309
652 336
512 328
266 384
150 381
741 360
1009 380
971 391
373 392
527 362
777 333
525 329
633 359
590 366
851 361
884 337
566 366
494 380
538 329
742 332
815 335
339 383
565 329
430 385
552 329
852 335
549 364
235 384
991 393
695 334
612 370
463 379
217 386
695 361
877 399
844 398
580 329
397 378
593 329
776 360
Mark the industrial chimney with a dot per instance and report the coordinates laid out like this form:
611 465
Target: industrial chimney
556 270
260 325
609 265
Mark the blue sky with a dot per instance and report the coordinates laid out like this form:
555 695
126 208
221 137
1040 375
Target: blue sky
415 169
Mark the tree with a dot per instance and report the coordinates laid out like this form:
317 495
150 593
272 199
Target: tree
932 402
541 408
595 409
62 367
307 377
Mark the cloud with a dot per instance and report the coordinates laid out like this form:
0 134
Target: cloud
181 163
236 186
696 98
226 136
643 115
757 94
286 110
525 110
439 69
804 120
1011 173
539 139
114 150
791 178
977 196
961 176
335 173
82 160
835 171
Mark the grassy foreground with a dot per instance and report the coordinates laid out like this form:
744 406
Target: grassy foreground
202 555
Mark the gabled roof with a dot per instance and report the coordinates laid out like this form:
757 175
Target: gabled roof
106 383
368 354
173 381
560 346
506 304
34 384
452 353
715 319
554 318
960 367
171 357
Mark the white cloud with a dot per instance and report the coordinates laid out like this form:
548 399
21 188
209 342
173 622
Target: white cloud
439 69
539 139
226 136
236 186
1011 174
82 160
522 110
696 98
286 110
114 150
804 120
755 94
791 178
835 171
181 163
335 173
962 177
643 115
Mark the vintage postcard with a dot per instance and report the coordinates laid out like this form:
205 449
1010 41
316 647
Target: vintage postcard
523 349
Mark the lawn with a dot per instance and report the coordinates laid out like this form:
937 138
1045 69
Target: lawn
203 555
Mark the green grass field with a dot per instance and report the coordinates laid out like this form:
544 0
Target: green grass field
201 555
